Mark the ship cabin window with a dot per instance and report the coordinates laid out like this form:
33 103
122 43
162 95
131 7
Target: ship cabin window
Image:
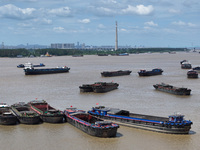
176 118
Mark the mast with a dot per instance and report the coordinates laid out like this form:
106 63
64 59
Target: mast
116 38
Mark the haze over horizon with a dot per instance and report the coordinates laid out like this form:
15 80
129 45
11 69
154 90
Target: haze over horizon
153 23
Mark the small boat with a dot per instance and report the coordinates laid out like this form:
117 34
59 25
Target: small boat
123 54
25 114
156 71
99 87
102 54
6 115
77 55
174 124
192 74
46 112
22 65
186 65
90 124
29 70
115 73
172 89
197 69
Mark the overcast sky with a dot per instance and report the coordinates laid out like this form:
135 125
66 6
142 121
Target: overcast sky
149 23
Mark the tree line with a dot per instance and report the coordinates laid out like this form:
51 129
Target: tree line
62 52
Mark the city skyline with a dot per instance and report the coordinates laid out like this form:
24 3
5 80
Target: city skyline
148 23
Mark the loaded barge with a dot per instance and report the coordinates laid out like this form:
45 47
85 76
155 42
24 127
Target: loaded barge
25 114
174 124
99 87
46 112
90 124
115 73
6 115
172 89
29 70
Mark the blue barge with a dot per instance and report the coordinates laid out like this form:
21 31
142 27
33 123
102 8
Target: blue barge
174 124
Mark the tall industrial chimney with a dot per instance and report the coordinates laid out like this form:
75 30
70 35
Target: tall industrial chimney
116 38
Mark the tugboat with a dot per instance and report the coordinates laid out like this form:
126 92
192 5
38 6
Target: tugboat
46 112
156 71
115 73
172 89
174 124
29 70
25 114
6 115
192 74
186 65
99 87
90 124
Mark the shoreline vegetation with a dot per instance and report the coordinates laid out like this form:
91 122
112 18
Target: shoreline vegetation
80 52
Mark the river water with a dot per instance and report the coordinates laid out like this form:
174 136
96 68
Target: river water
135 94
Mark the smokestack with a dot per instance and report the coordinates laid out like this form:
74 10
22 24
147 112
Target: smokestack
116 38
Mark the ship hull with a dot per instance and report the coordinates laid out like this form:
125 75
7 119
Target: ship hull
173 91
115 73
104 89
146 125
45 71
93 131
52 119
11 120
30 120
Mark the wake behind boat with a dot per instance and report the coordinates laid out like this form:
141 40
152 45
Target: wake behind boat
90 124
29 70
174 124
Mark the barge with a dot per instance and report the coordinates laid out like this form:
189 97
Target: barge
30 70
46 112
192 74
115 73
172 89
90 124
186 65
156 71
6 115
99 87
174 124
24 114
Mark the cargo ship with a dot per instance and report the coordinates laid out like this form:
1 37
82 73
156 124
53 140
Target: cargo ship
24 114
90 124
29 70
156 71
46 112
115 73
99 87
172 89
174 124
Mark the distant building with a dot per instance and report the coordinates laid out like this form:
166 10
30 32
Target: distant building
63 45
